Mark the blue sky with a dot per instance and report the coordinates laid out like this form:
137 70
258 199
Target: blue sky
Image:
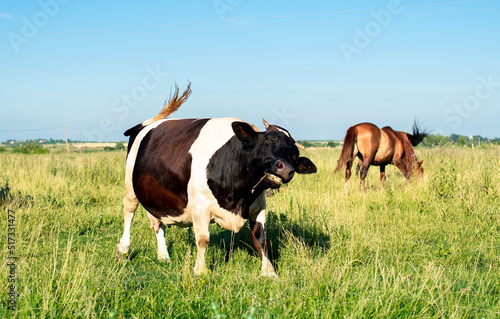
315 67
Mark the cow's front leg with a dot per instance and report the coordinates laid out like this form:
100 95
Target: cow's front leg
259 238
202 237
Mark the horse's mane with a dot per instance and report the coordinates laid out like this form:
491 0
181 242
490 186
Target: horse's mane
418 134
409 156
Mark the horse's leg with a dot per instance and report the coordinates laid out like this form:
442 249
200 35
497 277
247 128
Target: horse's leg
382 175
365 165
358 167
348 172
362 174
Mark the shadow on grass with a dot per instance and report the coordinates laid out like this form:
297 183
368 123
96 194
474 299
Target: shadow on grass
279 229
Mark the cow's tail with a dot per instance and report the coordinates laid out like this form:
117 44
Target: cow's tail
347 148
174 103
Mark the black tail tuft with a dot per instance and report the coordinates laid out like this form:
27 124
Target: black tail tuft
134 130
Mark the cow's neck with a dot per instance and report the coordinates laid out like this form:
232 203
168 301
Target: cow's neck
229 179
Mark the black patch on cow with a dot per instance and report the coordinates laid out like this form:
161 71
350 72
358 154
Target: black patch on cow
228 177
163 167
132 132
236 173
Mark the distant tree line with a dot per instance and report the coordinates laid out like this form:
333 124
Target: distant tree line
318 143
37 141
37 146
118 147
455 139
432 140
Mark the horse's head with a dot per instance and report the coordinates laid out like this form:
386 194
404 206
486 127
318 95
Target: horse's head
419 169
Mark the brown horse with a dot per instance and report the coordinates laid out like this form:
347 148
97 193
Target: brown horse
380 147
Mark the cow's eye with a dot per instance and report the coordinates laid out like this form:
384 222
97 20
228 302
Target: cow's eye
268 141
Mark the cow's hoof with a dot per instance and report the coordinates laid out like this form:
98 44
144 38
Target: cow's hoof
119 254
270 275
121 251
199 272
164 259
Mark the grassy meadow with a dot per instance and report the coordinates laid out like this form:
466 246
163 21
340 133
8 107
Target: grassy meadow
426 249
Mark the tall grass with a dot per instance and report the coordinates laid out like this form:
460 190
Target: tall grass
429 248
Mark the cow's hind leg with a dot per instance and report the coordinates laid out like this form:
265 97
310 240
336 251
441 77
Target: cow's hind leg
130 204
159 229
162 245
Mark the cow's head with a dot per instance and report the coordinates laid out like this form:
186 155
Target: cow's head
274 156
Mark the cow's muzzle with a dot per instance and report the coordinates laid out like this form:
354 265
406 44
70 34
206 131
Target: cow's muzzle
282 172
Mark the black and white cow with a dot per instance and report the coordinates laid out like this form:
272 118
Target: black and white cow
191 172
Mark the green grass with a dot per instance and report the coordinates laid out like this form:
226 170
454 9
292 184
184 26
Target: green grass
427 249
30 148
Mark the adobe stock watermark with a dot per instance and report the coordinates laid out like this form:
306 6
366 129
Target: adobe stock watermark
281 117
11 261
31 26
127 102
363 36
224 6
471 103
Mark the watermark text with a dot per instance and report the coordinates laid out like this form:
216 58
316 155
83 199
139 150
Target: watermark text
364 36
127 102
11 260
485 88
32 26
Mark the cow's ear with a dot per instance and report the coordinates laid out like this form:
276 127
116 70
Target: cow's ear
303 165
244 132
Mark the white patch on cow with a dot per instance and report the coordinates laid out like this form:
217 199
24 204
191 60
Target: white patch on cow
202 204
215 134
284 132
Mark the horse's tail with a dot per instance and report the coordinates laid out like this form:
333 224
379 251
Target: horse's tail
347 148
